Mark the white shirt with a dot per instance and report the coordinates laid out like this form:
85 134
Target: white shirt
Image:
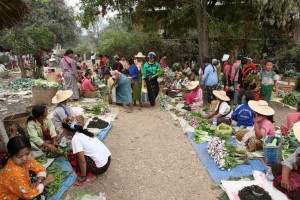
224 108
91 147
93 57
2 68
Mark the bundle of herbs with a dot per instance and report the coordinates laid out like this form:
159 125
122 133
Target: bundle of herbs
99 109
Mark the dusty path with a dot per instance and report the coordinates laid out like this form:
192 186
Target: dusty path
151 159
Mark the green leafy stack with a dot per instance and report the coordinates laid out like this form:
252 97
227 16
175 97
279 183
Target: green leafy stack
291 99
99 109
289 145
40 83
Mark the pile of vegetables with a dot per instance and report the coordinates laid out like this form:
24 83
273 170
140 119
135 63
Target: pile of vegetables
99 109
59 175
223 131
160 73
225 155
289 145
98 123
58 152
254 192
40 83
291 99
291 74
21 84
42 159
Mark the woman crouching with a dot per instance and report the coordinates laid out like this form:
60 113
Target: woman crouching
90 156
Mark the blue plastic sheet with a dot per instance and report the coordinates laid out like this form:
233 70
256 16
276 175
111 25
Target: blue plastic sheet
212 168
69 180
102 134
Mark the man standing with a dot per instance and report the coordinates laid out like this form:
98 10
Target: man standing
235 77
210 77
93 58
70 74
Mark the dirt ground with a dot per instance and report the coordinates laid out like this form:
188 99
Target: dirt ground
151 157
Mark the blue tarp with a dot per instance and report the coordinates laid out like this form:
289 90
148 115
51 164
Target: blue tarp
217 174
65 166
102 134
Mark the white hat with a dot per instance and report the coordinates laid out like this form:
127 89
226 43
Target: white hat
296 129
225 57
192 85
52 59
62 95
214 61
221 94
140 55
261 107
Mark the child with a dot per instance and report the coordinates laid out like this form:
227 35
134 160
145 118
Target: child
111 86
267 81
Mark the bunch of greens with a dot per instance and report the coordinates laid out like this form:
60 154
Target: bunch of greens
58 152
99 109
21 84
251 77
203 133
40 83
291 99
59 175
160 73
291 74
289 145
42 159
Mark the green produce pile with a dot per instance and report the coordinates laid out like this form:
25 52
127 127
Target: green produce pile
160 73
291 99
21 84
236 156
58 152
42 159
289 145
59 175
40 83
223 131
251 77
99 109
292 74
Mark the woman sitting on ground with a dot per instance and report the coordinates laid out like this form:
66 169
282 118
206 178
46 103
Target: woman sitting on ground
243 114
41 129
264 118
176 86
195 96
61 111
287 174
88 90
15 177
90 156
223 110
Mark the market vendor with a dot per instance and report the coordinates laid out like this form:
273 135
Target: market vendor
88 90
176 86
61 111
196 95
292 118
223 110
90 157
243 114
41 129
22 176
264 118
287 174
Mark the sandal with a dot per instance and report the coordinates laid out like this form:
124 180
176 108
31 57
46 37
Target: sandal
86 181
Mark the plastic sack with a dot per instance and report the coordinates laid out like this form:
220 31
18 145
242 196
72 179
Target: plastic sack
101 196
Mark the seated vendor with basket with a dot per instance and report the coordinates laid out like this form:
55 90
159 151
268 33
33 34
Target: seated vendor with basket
176 86
287 174
195 97
223 110
41 129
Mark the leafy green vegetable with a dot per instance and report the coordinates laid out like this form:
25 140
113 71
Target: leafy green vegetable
289 145
98 109
58 152
160 73
40 83
41 159
21 84
291 99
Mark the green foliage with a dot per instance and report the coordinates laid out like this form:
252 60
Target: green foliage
39 38
4 58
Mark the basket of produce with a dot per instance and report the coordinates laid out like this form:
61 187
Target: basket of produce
43 92
19 119
285 87
291 99
272 150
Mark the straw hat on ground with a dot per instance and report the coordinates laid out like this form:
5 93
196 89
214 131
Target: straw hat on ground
261 107
221 94
62 95
193 85
140 55
296 129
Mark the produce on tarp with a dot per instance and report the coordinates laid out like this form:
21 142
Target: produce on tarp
97 123
291 99
42 159
59 176
289 145
58 152
21 84
225 155
98 109
254 192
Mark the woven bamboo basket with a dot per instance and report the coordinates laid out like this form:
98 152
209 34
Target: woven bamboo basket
43 96
20 119
294 82
285 88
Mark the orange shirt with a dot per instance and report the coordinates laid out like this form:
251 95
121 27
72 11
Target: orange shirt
15 181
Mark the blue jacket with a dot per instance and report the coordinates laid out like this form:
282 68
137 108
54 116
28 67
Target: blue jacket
244 115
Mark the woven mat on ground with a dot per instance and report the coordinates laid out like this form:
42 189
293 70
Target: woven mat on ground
217 174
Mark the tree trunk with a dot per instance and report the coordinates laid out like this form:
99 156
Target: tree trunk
202 27
14 29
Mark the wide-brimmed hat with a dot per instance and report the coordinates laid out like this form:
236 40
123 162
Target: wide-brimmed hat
192 85
296 129
261 107
62 95
139 55
225 57
221 94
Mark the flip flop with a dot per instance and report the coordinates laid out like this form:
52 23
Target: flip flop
88 180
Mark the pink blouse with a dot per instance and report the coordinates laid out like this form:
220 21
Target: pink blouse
87 86
195 96
266 126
